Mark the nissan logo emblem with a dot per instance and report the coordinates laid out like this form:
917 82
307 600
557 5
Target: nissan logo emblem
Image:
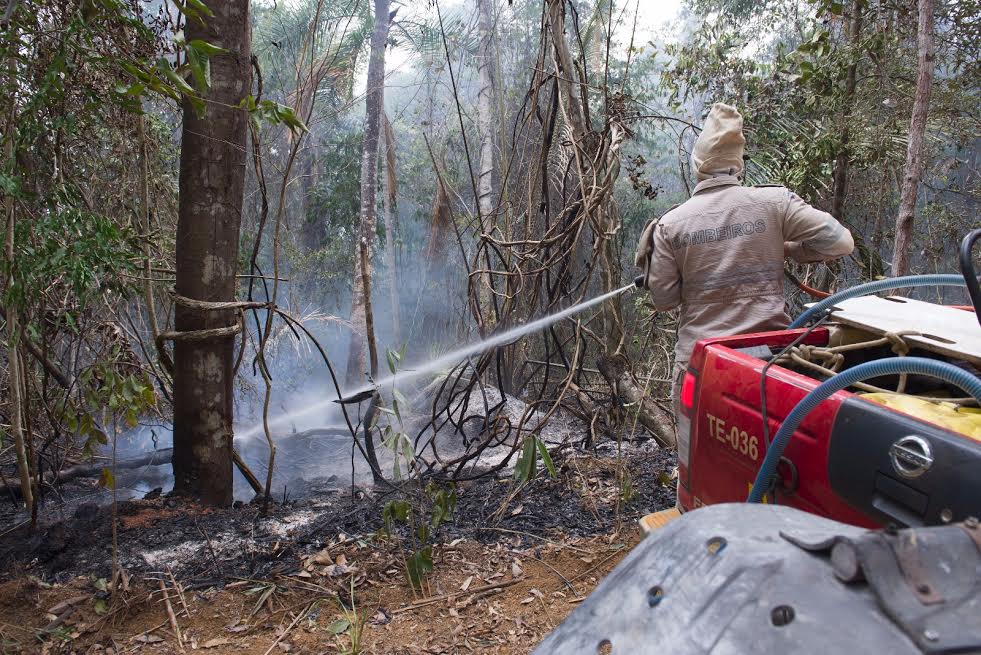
911 456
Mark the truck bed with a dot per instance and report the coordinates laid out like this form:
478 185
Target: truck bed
850 459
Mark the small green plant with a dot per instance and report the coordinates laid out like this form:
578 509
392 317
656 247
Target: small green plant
264 592
121 393
422 529
351 626
527 465
394 434
118 395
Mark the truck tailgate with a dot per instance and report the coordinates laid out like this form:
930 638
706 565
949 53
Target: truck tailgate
728 442
850 459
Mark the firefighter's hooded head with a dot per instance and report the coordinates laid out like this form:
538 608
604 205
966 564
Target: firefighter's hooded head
719 148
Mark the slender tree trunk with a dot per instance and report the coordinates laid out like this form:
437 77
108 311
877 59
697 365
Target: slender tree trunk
917 132
486 120
590 167
389 208
374 104
15 376
486 58
436 299
841 161
573 110
14 359
151 304
212 178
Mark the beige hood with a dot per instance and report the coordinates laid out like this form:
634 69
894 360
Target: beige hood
719 148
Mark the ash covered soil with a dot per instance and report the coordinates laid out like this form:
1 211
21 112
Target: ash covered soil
594 493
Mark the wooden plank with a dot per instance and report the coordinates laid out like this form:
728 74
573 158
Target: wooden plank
944 330
652 522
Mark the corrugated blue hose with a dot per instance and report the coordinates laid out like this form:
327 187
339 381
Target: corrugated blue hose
935 279
888 366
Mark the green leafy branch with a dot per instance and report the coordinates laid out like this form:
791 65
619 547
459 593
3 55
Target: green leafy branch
527 465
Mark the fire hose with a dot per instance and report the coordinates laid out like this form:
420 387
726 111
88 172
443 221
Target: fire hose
916 365
888 366
811 291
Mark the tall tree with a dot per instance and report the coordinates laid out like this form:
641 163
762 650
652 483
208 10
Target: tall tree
374 103
15 363
388 205
486 72
917 130
486 59
212 178
848 104
594 206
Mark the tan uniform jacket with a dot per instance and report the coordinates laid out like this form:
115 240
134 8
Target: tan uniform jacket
720 256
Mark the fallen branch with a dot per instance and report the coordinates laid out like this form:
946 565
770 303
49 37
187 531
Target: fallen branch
172 617
299 617
93 470
147 632
180 592
435 599
631 394
62 611
246 472
153 458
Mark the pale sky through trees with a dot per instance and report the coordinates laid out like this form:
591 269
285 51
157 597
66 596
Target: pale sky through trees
652 17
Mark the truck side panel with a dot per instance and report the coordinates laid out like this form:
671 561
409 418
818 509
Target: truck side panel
728 443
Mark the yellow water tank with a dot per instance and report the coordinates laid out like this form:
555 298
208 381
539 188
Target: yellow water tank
963 420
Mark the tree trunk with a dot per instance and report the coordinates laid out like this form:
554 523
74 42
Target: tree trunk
436 299
573 111
14 359
486 59
590 168
917 131
630 393
841 161
374 103
212 178
389 208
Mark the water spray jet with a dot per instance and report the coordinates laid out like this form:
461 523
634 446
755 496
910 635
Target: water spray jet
365 392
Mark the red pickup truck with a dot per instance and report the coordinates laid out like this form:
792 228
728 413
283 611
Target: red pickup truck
854 458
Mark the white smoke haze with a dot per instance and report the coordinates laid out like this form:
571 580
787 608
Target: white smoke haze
313 442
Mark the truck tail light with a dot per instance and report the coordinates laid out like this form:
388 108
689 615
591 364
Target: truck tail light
687 411
688 394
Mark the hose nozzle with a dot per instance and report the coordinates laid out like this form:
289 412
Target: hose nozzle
639 281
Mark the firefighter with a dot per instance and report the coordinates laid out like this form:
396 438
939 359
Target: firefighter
719 255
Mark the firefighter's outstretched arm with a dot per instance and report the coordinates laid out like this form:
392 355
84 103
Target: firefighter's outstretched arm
811 235
661 273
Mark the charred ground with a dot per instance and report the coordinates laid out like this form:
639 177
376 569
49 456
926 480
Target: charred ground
592 494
